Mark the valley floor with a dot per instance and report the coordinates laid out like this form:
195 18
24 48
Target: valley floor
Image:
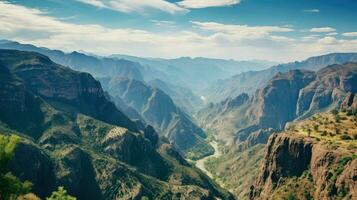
201 162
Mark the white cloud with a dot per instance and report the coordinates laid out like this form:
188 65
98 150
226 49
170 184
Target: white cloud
207 3
322 30
138 6
209 39
314 10
332 34
350 34
328 40
214 26
164 23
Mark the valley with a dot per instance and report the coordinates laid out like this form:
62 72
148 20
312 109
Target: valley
112 125
201 162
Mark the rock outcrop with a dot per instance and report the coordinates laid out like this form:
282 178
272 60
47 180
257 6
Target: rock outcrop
287 156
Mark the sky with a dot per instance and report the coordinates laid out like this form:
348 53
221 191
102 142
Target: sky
275 30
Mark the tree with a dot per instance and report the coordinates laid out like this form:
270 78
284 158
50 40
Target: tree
10 186
60 194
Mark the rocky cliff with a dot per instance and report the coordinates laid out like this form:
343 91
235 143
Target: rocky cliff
306 162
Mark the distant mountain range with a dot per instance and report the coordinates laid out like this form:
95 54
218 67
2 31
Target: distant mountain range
72 136
192 74
248 82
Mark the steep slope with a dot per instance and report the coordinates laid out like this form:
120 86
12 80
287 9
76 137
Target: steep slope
248 82
288 96
59 85
314 158
158 110
183 97
65 143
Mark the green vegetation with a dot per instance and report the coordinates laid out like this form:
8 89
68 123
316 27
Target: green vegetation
60 194
10 186
200 150
237 171
294 188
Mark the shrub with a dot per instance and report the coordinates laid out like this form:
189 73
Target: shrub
10 186
334 112
349 113
291 197
345 137
355 136
316 127
324 133
60 194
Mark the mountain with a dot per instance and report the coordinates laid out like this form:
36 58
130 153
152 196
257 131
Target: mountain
287 96
72 136
159 110
170 121
248 82
183 97
312 159
95 65
194 73
191 74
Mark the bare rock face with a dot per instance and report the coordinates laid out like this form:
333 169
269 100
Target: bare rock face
279 98
333 171
284 157
350 101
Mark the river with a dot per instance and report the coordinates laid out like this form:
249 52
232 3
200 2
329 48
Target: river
200 163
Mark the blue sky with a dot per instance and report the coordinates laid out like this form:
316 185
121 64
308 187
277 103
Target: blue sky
278 30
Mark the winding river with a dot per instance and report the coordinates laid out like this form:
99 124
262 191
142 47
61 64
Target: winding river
200 163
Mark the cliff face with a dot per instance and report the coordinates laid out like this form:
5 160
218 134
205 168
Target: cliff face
277 101
284 157
333 172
